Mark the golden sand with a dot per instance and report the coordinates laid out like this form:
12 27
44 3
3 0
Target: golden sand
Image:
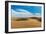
30 23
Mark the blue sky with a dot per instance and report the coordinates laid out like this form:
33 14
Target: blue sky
33 9
26 11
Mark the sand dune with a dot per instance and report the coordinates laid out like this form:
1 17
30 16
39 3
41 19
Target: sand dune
30 23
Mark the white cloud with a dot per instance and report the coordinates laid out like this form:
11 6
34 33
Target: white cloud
37 14
23 13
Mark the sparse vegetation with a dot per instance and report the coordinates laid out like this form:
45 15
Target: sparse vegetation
21 19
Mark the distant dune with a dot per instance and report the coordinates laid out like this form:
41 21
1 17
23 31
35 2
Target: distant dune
31 22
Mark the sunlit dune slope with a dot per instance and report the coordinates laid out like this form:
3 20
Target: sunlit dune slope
29 23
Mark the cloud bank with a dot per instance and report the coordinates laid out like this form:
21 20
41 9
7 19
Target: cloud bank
21 13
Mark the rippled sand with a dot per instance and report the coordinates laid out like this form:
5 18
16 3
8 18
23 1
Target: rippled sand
30 23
